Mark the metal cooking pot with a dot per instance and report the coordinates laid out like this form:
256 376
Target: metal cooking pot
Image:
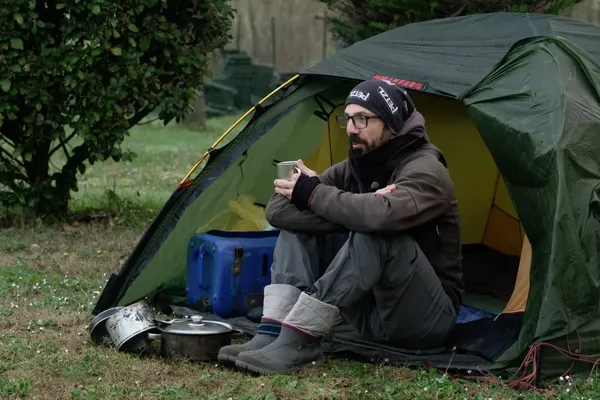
97 326
127 327
195 339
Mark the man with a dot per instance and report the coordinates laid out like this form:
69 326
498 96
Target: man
397 278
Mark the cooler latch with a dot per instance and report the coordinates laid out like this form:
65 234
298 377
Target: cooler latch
237 260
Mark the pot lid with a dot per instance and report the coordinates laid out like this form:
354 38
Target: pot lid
198 326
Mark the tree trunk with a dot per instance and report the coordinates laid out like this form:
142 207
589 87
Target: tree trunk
201 110
254 31
197 119
45 199
52 202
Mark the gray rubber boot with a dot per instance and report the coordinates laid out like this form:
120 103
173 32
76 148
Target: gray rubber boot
229 354
278 301
298 346
291 351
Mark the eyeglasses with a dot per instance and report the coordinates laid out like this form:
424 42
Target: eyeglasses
359 121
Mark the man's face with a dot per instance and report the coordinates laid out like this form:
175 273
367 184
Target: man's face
366 130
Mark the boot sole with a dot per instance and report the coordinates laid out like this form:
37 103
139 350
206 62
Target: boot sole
227 360
245 367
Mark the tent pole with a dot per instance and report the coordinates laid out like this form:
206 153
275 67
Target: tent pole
216 143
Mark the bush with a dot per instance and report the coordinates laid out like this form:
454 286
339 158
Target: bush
76 75
355 20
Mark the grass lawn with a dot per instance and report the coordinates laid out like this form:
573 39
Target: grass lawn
51 276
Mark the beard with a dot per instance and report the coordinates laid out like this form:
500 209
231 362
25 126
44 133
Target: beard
369 146
366 147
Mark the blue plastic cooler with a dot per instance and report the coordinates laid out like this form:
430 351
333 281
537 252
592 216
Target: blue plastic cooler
225 267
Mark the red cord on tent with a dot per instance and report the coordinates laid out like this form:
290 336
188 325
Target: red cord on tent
523 379
578 351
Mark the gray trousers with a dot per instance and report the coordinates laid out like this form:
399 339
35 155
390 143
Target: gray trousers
384 286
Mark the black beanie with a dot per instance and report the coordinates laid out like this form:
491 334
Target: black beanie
386 99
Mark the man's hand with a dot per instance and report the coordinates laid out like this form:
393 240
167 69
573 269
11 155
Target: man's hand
386 190
285 187
304 169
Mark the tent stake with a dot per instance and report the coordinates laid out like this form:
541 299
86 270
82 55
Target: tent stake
538 367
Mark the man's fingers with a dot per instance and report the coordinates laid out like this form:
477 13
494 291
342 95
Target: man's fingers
386 190
305 170
284 192
389 189
284 183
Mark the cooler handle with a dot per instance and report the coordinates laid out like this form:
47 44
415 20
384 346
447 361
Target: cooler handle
200 256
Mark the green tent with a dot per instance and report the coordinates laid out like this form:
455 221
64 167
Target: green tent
512 100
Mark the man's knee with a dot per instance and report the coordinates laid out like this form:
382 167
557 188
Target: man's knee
290 239
285 235
296 238
322 244
386 244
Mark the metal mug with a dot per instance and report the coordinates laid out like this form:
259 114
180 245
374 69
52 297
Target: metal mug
97 327
286 169
127 325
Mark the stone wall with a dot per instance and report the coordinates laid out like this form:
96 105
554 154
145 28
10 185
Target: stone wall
586 11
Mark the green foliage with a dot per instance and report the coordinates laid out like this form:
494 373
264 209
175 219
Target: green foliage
76 75
356 20
14 389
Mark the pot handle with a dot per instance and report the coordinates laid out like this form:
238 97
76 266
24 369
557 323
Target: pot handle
154 336
170 322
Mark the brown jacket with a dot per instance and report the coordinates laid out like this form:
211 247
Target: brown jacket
423 205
